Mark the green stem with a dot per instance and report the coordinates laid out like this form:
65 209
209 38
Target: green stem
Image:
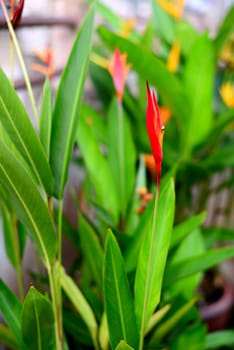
146 299
22 63
54 297
19 272
121 156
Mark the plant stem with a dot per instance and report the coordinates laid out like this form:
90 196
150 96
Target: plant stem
121 141
142 329
19 273
53 289
21 60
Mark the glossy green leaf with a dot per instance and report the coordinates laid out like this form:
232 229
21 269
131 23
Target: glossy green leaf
10 308
118 299
80 303
185 228
97 168
220 339
199 82
123 346
7 338
91 250
46 117
152 69
37 322
28 204
121 155
225 30
67 104
152 259
199 263
17 124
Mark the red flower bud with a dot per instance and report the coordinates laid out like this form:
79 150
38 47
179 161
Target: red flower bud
155 130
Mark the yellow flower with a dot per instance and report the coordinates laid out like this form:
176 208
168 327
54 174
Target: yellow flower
227 94
127 27
173 58
174 8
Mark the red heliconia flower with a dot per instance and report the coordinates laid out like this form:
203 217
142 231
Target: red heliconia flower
118 69
155 131
16 11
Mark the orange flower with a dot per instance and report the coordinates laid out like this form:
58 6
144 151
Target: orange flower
46 57
174 8
173 58
165 114
16 11
118 69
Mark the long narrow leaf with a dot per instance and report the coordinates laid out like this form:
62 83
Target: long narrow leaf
224 32
199 82
67 104
121 155
16 122
7 338
92 251
11 308
118 299
80 304
152 260
46 117
28 203
196 264
37 321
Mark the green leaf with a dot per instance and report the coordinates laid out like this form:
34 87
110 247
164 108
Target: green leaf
121 155
97 168
10 235
80 303
67 104
164 24
185 228
103 333
37 322
198 83
156 317
170 324
192 337
225 30
17 124
11 308
46 117
28 203
118 299
199 263
7 338
219 339
151 68
123 346
152 259
95 121
92 250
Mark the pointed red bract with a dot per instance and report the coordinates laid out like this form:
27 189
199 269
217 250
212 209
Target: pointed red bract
16 12
118 69
155 130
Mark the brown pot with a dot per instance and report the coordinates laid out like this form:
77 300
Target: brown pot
217 314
